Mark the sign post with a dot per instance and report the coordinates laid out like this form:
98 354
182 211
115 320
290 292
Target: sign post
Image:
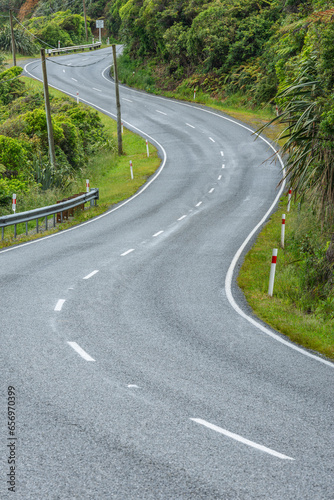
100 25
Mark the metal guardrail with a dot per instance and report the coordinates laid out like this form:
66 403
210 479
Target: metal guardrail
90 46
44 212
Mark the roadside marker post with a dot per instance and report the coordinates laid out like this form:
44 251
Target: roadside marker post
131 170
77 97
283 231
58 44
14 203
87 185
147 150
272 272
289 200
194 95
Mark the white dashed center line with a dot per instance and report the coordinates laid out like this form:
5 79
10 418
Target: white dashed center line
199 203
74 79
97 90
241 439
80 351
127 252
157 234
90 275
161 112
219 177
59 304
222 153
191 126
183 217
212 139
223 166
211 190
128 100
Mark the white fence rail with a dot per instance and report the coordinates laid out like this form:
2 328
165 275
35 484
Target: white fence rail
90 46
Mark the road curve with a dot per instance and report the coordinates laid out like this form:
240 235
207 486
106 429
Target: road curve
135 378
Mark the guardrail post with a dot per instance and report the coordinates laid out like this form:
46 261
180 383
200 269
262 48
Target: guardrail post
37 226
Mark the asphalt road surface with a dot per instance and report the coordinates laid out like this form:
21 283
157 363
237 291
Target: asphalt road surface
138 369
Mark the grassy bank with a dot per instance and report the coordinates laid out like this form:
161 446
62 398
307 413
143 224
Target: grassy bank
105 170
302 306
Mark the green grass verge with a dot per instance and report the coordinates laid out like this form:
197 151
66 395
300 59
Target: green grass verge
296 309
107 171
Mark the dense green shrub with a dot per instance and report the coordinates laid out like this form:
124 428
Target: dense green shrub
13 154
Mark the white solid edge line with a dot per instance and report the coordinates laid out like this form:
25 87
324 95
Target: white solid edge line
80 351
90 275
59 304
127 252
125 202
230 271
241 439
157 234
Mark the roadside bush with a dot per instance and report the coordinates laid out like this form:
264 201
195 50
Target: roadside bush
13 154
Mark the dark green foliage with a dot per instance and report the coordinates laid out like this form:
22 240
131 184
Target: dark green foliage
65 27
23 41
10 86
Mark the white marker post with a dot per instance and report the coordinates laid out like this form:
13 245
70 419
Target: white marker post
92 40
14 203
87 185
147 150
277 112
283 231
108 41
58 44
289 200
77 97
272 272
194 95
131 170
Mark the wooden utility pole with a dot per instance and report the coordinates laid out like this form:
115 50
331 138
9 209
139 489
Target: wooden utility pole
84 9
52 154
118 104
13 40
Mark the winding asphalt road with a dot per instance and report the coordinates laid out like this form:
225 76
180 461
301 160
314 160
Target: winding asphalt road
140 372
